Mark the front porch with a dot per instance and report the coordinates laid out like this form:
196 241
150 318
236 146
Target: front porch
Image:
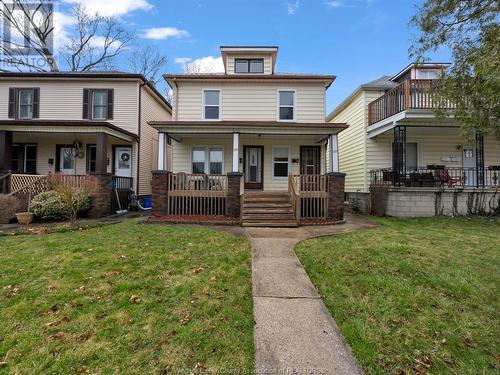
272 175
32 151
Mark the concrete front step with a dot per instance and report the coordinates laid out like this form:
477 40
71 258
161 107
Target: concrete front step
270 223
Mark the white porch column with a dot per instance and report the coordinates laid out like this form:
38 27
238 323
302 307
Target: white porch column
236 152
162 151
334 153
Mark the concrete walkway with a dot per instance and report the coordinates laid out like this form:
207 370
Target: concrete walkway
293 329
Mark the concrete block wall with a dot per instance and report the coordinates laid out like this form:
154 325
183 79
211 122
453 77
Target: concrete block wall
407 202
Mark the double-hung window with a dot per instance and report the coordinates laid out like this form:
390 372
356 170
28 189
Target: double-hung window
25 101
208 160
99 104
286 105
24 158
281 161
211 104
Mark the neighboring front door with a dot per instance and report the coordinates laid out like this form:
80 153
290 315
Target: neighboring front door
67 160
310 160
253 158
123 161
469 164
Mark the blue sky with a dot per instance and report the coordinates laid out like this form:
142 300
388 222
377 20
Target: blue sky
356 40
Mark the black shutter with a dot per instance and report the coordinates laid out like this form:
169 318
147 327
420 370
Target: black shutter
12 102
86 104
36 102
110 103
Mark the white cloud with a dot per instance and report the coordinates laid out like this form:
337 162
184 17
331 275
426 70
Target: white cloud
206 64
61 23
112 7
292 7
346 3
161 33
182 60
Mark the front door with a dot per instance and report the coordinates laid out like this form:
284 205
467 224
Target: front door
123 161
253 158
469 164
67 160
310 161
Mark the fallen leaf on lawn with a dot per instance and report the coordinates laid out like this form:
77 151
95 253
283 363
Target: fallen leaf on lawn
213 278
197 270
3 363
200 366
111 273
135 299
80 289
51 287
122 257
186 318
7 287
58 335
52 323
82 338
54 309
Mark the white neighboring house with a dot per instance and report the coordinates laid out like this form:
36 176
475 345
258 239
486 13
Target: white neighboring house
394 139
76 123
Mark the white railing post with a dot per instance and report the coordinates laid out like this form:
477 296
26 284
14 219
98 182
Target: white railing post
236 152
334 153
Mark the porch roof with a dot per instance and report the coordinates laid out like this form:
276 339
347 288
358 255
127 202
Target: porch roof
248 127
67 126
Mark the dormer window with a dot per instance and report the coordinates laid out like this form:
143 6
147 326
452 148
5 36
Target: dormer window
249 65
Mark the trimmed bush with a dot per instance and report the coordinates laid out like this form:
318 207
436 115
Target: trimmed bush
50 205
8 208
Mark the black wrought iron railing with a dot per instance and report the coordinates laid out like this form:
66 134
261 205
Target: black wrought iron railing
444 177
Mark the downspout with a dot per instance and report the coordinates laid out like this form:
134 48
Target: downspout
176 99
139 115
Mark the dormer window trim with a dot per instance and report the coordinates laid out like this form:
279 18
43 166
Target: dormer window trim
249 67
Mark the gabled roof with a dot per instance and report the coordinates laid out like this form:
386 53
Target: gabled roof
112 74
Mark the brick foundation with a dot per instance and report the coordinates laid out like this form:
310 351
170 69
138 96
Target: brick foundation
336 186
159 189
233 201
101 200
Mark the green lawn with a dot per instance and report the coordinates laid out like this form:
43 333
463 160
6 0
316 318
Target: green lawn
127 298
414 296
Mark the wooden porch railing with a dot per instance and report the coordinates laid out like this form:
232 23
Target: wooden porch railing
410 94
312 195
5 183
196 194
294 197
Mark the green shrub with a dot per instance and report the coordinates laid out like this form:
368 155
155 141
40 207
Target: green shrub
50 205
8 207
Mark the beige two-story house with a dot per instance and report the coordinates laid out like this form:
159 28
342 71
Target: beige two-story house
249 120
76 123
396 140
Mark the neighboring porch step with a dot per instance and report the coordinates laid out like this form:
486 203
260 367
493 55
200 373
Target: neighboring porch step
268 216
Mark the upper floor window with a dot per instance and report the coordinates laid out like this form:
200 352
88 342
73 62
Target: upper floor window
211 104
249 65
286 105
98 104
24 103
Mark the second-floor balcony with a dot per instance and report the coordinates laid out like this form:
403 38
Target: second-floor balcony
410 94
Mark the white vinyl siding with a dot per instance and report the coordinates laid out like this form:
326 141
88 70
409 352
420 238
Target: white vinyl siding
253 101
62 99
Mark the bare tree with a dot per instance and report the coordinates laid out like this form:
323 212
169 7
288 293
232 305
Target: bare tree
96 42
32 22
147 61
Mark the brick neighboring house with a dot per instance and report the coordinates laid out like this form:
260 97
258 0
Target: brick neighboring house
411 161
250 142
79 124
